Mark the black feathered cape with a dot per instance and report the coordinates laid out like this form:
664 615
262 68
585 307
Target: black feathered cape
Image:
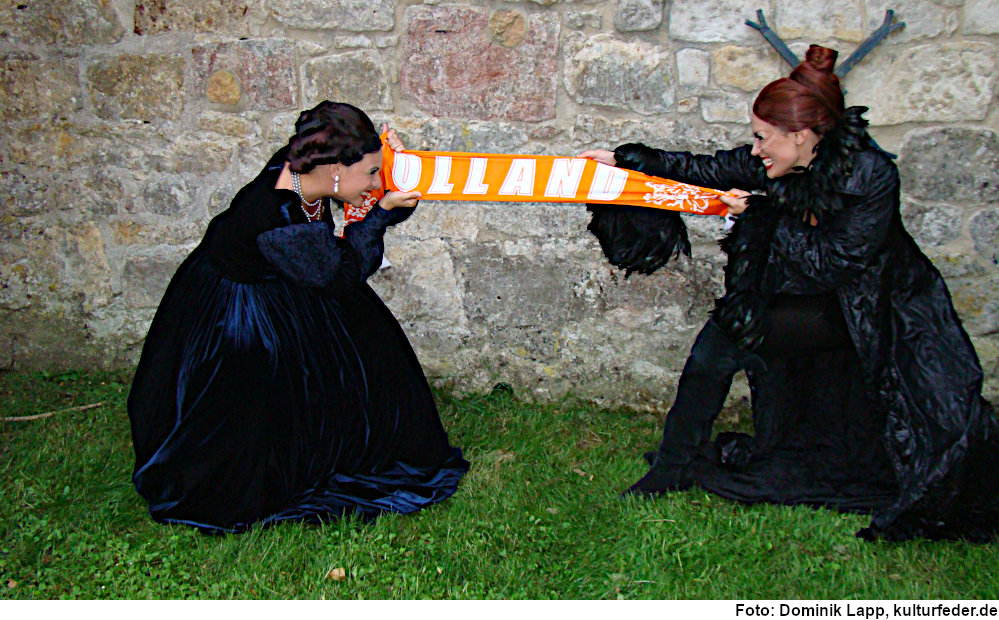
907 399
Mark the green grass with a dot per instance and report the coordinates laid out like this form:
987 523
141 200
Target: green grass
538 516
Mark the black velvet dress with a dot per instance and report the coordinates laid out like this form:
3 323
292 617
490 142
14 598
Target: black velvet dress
274 384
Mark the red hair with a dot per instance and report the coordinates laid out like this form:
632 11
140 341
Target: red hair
810 98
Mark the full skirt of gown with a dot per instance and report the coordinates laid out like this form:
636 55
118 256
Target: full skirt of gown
269 401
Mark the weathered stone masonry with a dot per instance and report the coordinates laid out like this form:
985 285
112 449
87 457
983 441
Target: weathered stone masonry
128 124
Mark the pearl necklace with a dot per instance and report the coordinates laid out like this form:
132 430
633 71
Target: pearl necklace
316 205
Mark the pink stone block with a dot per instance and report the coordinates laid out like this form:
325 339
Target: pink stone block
457 66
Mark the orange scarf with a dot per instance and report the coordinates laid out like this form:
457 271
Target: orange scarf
490 177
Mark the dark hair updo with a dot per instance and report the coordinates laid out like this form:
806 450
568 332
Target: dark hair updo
331 133
810 98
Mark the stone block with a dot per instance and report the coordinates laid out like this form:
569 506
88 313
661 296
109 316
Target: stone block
985 233
923 19
65 262
35 88
693 67
139 87
539 2
932 225
605 71
264 69
336 78
225 17
52 145
141 148
242 126
954 165
507 295
145 278
354 40
507 28
551 229
223 87
721 21
928 83
635 15
51 339
129 233
672 300
546 131
281 128
95 193
725 108
980 17
352 15
955 264
456 222
975 302
21 196
580 20
745 68
456 67
28 272
987 347
471 136
599 132
84 267
688 104
819 20
421 286
60 22
167 196
195 153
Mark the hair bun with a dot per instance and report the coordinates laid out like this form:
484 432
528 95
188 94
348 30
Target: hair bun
331 133
810 97
821 58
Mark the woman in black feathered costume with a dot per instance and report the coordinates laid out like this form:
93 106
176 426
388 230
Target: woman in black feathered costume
866 389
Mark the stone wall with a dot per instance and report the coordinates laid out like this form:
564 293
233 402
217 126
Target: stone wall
128 124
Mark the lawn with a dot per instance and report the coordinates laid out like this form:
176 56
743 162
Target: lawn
539 516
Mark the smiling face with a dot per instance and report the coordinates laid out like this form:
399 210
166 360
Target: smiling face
776 147
782 151
357 179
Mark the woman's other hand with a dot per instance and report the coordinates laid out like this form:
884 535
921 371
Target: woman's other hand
600 155
393 140
391 200
737 202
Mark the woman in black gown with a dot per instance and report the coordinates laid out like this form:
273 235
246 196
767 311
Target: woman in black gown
274 384
866 389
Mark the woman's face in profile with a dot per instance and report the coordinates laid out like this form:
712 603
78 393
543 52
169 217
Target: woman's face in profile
360 178
776 147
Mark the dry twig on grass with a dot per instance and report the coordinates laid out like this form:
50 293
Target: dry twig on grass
49 414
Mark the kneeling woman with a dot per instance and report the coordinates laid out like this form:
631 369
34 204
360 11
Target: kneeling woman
866 388
274 384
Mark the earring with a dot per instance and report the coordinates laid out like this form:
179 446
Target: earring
336 183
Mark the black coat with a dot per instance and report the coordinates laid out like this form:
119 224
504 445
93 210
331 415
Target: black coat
922 371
